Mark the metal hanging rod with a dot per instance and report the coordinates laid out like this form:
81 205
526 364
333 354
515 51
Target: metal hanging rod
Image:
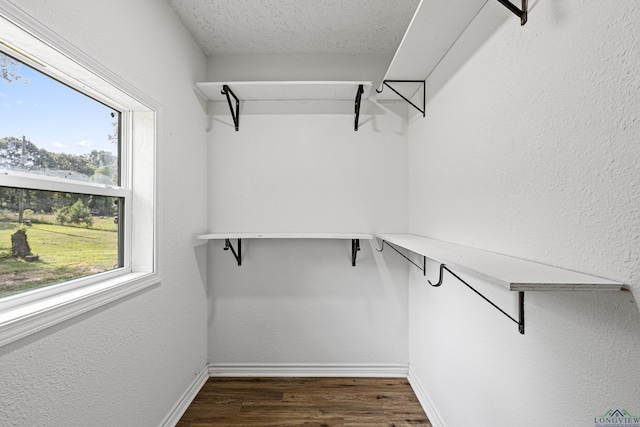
234 114
520 13
443 267
358 99
424 99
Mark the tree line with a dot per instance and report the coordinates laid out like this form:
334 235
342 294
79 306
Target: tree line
67 207
22 154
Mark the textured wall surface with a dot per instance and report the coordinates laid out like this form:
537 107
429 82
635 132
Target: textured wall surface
128 363
532 149
302 301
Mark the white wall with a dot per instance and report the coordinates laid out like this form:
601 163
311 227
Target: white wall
300 167
284 67
302 301
531 149
129 362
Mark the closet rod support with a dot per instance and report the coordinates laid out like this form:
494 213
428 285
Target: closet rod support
234 114
238 255
521 13
358 100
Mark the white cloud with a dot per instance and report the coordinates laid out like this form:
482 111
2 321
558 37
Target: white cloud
85 143
2 95
57 144
19 102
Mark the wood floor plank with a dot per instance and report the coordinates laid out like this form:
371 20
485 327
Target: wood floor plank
308 402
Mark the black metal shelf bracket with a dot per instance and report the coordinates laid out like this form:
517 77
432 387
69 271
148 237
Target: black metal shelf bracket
424 98
238 255
355 247
443 267
234 114
520 13
519 322
358 99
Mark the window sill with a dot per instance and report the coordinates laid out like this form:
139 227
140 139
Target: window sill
21 321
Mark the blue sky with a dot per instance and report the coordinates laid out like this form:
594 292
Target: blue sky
53 116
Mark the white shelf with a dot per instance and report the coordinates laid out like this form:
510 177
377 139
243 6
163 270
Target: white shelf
435 27
339 236
284 90
515 274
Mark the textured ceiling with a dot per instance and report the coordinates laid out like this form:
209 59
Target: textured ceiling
296 26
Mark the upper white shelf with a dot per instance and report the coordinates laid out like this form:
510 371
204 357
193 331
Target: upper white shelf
224 236
514 274
435 27
284 90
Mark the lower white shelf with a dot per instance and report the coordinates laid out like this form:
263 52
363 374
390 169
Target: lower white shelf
514 274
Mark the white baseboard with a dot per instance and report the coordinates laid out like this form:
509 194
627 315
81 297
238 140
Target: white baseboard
309 370
185 400
423 398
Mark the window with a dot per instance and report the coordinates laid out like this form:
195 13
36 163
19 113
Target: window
50 130
77 179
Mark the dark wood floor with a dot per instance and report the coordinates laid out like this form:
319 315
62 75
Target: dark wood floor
331 402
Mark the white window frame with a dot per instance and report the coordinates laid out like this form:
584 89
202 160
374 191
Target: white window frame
26 313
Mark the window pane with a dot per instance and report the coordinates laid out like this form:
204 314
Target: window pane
48 128
67 236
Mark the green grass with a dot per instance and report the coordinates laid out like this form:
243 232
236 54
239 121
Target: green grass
64 253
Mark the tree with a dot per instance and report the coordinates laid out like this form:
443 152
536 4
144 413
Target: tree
10 70
18 153
76 214
72 163
114 137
